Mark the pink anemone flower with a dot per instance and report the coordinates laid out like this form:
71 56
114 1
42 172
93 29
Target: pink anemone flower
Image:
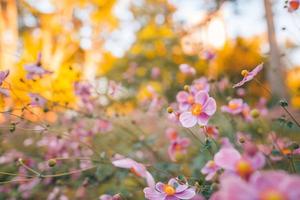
171 191
211 131
234 107
231 160
36 70
200 84
203 108
37 100
187 69
178 147
135 167
210 169
261 185
248 76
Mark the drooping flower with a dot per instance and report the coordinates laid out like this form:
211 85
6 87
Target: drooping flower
230 159
173 190
187 69
178 147
210 169
203 108
135 167
36 69
200 84
211 131
234 107
248 76
265 185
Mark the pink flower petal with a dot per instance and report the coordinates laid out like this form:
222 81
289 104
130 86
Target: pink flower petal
227 158
182 96
186 194
210 106
187 119
201 97
202 119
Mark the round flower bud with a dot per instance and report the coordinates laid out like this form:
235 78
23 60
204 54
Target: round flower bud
255 113
244 72
186 88
51 162
242 140
170 109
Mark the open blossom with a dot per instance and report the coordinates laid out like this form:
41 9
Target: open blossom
248 76
187 69
36 69
203 108
178 147
210 169
230 159
235 106
173 190
265 185
200 84
135 167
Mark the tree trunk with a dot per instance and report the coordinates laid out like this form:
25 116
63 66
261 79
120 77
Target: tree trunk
275 70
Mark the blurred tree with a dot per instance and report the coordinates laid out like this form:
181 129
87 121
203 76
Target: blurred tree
156 49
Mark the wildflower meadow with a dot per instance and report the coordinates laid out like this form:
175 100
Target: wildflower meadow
150 99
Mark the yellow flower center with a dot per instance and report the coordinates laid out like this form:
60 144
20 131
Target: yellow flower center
233 105
196 109
244 72
272 195
211 163
169 190
286 151
178 147
244 168
190 99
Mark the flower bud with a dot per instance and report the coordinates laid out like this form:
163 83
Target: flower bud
52 162
242 140
244 72
186 88
170 110
255 113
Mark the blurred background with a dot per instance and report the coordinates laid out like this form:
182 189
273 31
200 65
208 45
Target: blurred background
116 65
130 40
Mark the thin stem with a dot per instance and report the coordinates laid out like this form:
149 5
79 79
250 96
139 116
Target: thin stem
283 107
66 173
